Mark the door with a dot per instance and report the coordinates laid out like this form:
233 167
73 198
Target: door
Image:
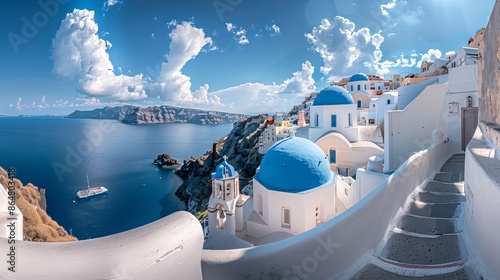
469 124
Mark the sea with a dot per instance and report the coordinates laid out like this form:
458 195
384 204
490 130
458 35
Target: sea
57 154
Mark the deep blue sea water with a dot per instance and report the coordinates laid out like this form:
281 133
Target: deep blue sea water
57 153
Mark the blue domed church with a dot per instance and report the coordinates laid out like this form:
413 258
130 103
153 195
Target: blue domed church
333 110
293 191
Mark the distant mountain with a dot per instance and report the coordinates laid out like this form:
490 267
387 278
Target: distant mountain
157 114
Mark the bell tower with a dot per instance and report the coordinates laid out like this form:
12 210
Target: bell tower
222 206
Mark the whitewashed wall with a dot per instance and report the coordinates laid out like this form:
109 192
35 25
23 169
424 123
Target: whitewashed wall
482 187
410 130
407 94
329 249
169 248
5 216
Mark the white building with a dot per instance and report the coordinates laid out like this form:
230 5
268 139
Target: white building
387 101
465 56
276 130
358 82
333 110
293 191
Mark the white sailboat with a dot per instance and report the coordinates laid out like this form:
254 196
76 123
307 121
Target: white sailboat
91 191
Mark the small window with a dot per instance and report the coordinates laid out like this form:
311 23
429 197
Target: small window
359 87
333 156
388 101
334 121
365 87
352 87
285 217
349 123
359 103
317 120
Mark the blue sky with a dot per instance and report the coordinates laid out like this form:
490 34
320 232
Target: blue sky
229 55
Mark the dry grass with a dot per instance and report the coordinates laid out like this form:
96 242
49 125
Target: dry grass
38 226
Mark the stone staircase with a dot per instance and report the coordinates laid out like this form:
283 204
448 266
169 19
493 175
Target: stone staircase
426 241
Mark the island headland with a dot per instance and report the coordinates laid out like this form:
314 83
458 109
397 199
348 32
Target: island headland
157 114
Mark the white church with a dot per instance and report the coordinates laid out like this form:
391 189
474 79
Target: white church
293 191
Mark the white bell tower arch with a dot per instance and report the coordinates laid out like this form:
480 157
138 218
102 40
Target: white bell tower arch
223 211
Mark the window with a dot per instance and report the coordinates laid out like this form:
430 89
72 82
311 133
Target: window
365 87
359 87
388 101
359 103
349 123
334 120
333 156
317 120
285 217
352 87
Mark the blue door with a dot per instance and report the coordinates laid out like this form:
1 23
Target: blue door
334 120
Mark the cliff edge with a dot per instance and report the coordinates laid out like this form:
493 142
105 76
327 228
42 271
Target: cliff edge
240 147
38 226
157 114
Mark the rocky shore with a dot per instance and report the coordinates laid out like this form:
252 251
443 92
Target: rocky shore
240 148
157 114
37 225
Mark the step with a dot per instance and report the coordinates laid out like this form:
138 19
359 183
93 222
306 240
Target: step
432 197
426 225
409 249
372 271
442 210
453 166
434 186
449 177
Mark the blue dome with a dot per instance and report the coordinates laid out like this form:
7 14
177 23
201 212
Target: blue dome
294 165
358 77
224 170
333 95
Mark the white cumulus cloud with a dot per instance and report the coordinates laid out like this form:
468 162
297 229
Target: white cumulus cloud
302 81
262 98
78 52
344 49
172 85
431 55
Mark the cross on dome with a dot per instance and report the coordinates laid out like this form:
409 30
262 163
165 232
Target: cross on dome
225 158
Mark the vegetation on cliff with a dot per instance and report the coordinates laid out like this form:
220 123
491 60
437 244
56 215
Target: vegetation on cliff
37 225
242 152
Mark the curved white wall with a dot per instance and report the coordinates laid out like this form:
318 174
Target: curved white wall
169 248
482 187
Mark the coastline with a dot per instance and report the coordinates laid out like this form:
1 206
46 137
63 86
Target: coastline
38 226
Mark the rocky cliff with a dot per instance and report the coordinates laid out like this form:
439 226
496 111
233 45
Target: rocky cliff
157 114
240 148
37 225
